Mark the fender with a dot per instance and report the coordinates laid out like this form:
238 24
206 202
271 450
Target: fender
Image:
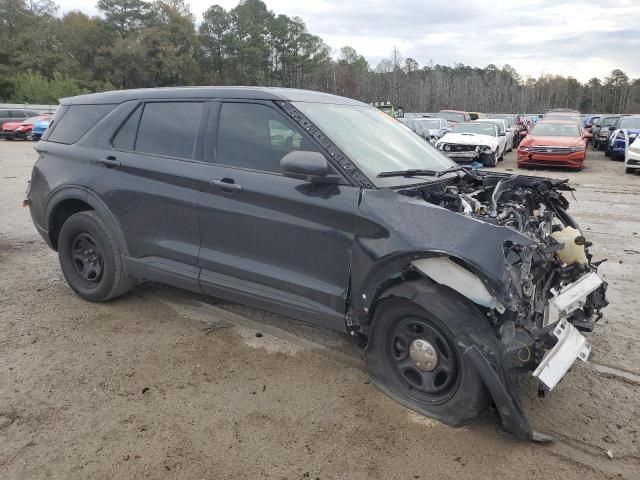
78 192
394 267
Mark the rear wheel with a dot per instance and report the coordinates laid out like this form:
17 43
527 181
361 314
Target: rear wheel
629 170
90 258
413 356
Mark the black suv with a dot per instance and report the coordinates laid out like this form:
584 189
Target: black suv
327 210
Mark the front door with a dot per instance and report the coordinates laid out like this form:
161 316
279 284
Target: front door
275 242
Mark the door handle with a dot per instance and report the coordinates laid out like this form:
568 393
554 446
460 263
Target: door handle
226 185
109 162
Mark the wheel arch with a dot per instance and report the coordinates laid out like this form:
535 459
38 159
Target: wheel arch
66 201
392 272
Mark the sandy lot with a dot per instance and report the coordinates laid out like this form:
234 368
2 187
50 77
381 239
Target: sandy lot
166 384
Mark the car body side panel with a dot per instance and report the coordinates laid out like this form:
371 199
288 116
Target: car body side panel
280 236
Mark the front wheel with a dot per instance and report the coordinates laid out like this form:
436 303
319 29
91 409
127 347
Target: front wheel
413 355
492 161
90 258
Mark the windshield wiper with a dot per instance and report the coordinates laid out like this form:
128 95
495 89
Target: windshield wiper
457 168
407 173
417 171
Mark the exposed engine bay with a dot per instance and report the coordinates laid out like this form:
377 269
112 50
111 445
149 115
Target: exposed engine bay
549 283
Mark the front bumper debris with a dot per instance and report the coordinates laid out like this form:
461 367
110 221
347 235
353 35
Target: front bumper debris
571 298
570 346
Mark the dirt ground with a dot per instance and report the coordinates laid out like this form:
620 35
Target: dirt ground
166 384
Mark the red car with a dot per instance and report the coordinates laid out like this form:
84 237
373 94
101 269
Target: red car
554 143
20 130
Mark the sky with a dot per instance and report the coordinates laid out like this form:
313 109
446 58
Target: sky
578 38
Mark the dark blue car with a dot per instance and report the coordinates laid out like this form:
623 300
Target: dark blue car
626 126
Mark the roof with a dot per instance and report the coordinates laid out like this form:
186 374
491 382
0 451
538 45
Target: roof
249 93
454 111
559 121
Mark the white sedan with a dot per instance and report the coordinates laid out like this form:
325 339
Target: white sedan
503 125
632 157
474 142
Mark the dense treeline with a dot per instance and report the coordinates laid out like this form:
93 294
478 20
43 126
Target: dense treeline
137 43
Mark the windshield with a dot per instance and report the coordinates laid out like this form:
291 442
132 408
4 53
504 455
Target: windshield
609 121
630 122
481 128
451 116
431 124
511 119
32 120
499 122
374 141
555 130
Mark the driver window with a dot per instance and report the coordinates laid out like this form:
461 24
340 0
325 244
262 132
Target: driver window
256 137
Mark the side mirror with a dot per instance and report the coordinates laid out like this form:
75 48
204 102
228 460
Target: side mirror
588 125
587 135
309 166
523 133
612 128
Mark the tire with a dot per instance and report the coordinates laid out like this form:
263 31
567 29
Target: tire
492 162
501 159
90 258
629 170
607 152
455 398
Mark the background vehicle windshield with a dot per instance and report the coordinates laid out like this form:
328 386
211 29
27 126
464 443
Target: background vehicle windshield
511 119
630 122
480 128
452 116
433 124
609 121
555 130
498 122
372 139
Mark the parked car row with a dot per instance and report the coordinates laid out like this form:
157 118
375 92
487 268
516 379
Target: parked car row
31 128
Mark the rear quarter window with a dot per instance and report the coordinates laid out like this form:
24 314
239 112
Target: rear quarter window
76 121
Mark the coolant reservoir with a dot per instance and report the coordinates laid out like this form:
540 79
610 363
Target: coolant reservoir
572 252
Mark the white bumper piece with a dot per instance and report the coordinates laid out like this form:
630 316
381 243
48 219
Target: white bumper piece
558 360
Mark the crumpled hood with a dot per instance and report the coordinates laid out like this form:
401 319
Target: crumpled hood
469 139
399 223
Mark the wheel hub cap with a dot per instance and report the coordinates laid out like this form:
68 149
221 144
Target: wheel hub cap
423 354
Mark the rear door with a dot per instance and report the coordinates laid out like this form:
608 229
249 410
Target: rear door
149 180
268 240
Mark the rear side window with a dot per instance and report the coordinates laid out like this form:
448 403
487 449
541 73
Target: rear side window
169 128
77 121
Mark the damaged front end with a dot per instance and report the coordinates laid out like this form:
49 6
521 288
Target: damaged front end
548 290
